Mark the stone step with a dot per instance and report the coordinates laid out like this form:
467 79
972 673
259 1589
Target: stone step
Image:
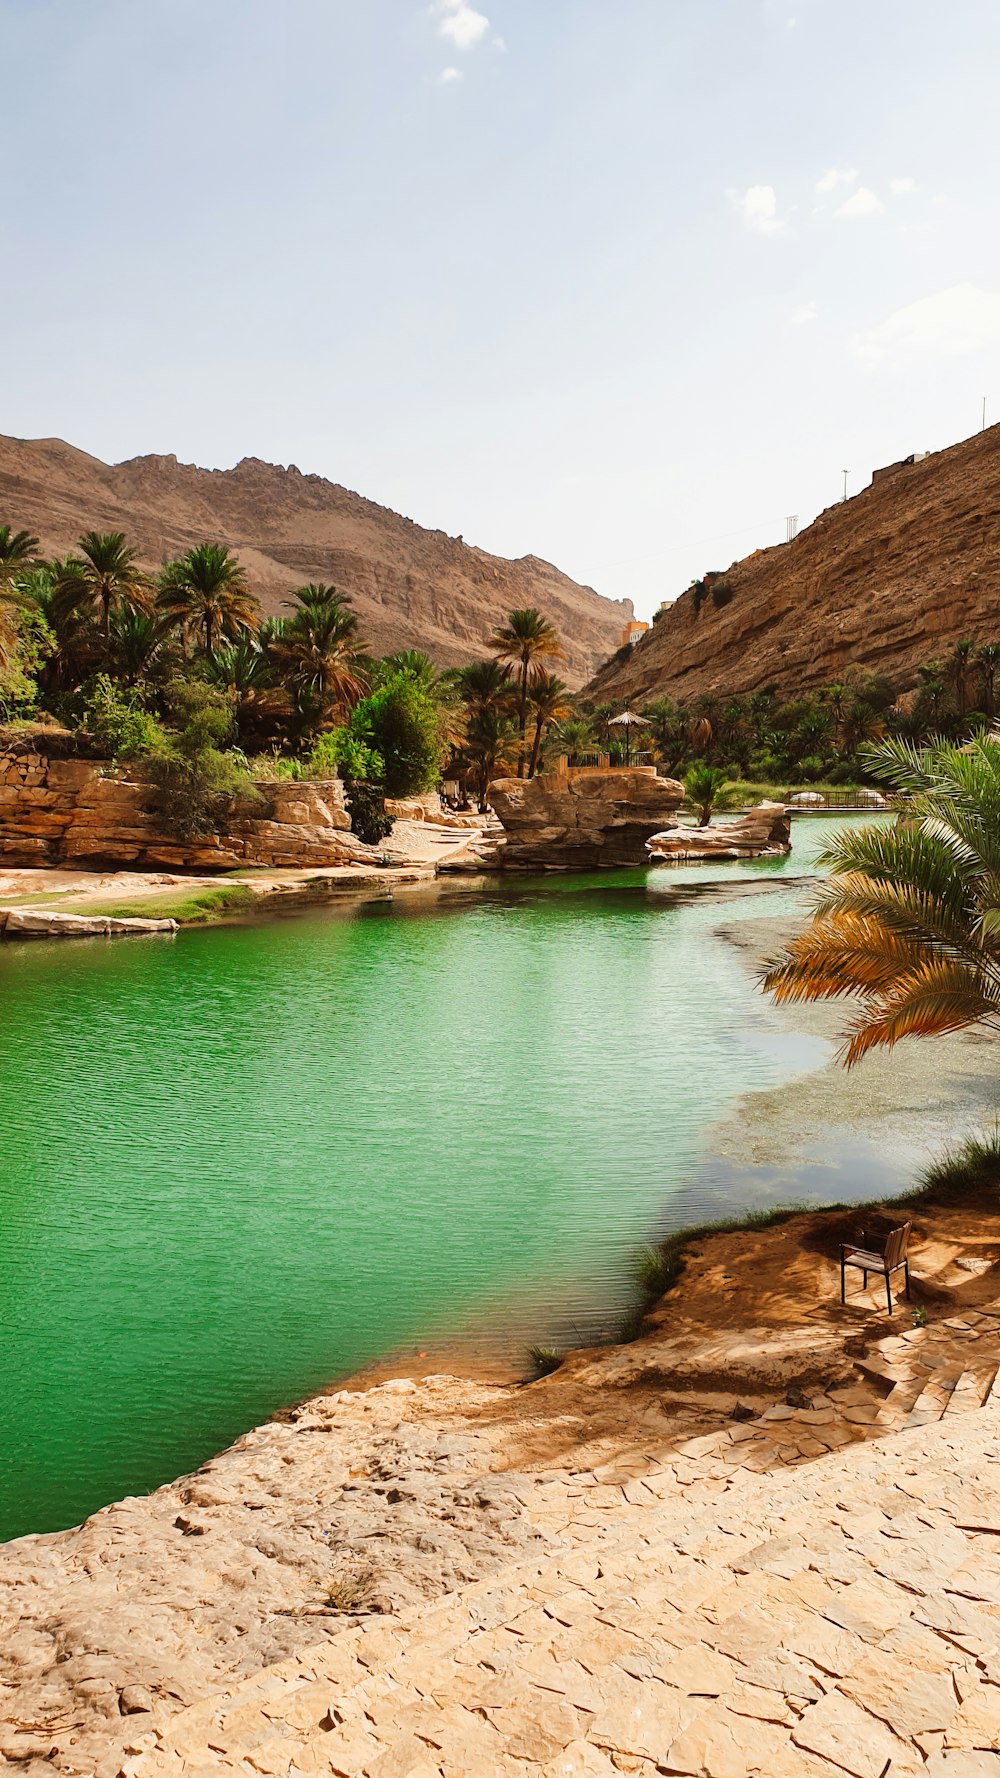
933 1399
971 1390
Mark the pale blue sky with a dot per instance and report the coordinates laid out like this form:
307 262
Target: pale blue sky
620 282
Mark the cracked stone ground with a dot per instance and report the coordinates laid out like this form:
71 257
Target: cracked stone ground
604 1572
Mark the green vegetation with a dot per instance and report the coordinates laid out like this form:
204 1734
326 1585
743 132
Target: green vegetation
192 908
976 1163
544 1360
908 922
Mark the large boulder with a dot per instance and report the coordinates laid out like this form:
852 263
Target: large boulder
762 830
582 819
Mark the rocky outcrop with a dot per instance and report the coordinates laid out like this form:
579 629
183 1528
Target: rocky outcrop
765 829
886 581
77 812
582 819
50 923
411 588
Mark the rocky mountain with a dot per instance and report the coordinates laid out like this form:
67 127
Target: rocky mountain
885 581
412 588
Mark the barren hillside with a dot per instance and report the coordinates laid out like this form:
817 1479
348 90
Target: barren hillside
412 588
887 580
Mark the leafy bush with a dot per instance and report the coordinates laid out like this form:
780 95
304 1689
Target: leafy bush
370 819
400 722
545 1360
196 783
339 753
119 722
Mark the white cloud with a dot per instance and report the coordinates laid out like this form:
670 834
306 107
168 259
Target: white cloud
863 202
461 23
759 209
835 176
963 318
499 45
805 312
899 187
447 75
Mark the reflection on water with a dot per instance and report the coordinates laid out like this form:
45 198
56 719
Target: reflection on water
239 1163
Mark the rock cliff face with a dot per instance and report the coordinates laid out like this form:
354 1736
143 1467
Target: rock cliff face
64 812
412 588
885 581
582 820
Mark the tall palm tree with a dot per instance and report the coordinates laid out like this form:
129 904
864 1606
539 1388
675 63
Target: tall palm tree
245 670
989 665
137 642
103 577
18 550
909 922
528 639
549 702
318 654
55 590
207 590
489 745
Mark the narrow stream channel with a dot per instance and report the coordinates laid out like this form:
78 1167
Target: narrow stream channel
241 1162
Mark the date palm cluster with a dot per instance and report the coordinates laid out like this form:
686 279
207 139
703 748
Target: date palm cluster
99 610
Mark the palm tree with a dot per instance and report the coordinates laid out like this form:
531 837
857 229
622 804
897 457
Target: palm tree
18 550
704 786
136 644
576 736
549 702
527 638
909 922
55 589
245 670
490 742
318 654
959 664
104 577
668 728
989 666
415 664
207 590
932 684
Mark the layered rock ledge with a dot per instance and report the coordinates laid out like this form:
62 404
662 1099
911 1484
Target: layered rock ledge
77 812
762 831
583 818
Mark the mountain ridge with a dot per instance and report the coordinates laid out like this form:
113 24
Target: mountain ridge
883 582
412 587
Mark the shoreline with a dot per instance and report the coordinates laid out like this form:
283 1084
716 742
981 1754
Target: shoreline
365 1502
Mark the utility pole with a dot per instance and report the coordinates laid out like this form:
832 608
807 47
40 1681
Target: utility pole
845 473
983 426
791 526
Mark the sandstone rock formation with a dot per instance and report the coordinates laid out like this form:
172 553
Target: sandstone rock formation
412 588
885 581
53 923
582 819
76 812
765 829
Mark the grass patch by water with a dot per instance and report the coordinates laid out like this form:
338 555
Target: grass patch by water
192 909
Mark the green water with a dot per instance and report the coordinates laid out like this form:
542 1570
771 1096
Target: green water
237 1163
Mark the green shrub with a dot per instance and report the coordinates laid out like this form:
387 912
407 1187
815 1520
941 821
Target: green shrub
401 722
370 819
339 753
196 784
545 1360
976 1162
116 717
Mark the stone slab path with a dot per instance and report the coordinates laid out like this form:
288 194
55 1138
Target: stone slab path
841 1618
